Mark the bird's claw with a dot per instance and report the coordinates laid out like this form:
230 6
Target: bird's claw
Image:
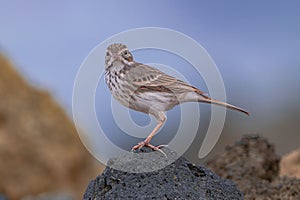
154 148
138 146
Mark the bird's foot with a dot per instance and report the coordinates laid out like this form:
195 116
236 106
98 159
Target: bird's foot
147 144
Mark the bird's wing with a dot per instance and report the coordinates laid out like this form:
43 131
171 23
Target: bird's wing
144 75
149 77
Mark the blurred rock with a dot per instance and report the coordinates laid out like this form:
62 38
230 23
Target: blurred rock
290 164
254 166
247 161
179 180
39 148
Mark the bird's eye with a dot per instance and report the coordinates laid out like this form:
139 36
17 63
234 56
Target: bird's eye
107 54
125 53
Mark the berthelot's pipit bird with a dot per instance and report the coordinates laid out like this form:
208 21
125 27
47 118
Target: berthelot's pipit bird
146 89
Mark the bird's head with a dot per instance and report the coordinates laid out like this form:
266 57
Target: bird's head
117 52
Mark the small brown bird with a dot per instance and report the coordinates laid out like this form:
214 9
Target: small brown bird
146 89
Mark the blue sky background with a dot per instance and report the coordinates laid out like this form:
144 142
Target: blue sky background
255 44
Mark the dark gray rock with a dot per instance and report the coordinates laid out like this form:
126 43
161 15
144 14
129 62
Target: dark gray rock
179 180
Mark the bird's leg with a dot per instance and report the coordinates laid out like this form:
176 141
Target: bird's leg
147 140
150 136
161 118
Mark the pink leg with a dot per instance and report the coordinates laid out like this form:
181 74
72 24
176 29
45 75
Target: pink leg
161 120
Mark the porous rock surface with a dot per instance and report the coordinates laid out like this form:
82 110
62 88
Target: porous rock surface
179 180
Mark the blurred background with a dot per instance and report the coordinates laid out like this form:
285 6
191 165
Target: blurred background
255 45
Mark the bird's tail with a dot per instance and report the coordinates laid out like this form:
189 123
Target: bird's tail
206 99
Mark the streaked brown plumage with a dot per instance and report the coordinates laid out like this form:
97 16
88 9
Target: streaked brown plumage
147 89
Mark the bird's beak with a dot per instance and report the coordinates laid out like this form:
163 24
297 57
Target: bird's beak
116 57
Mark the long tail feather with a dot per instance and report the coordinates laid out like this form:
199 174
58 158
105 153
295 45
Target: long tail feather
220 103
